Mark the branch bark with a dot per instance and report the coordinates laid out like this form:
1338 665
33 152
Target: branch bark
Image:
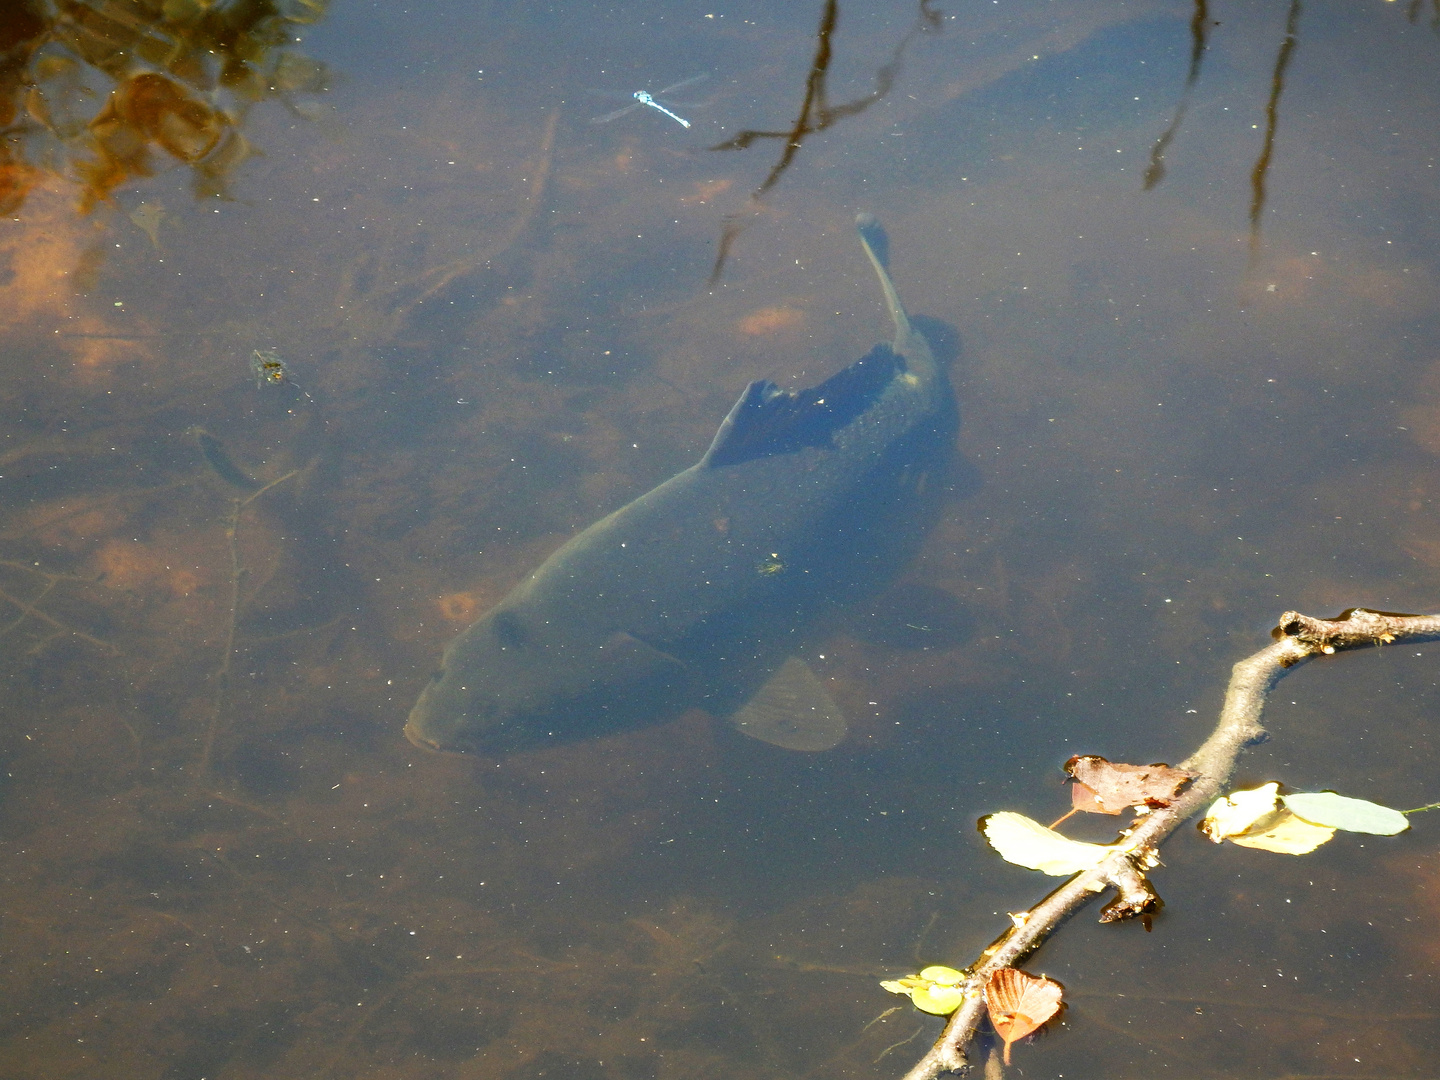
1298 638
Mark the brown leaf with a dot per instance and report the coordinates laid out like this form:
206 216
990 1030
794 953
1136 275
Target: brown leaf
1114 786
1019 1003
1084 799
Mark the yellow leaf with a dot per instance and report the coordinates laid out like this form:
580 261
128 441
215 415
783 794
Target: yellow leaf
938 973
1025 842
936 990
1285 833
1240 810
938 1000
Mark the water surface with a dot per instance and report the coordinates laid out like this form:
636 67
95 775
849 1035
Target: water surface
1190 402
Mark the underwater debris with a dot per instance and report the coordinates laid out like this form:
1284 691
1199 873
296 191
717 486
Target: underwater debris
270 369
215 455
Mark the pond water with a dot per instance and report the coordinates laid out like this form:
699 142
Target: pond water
1190 254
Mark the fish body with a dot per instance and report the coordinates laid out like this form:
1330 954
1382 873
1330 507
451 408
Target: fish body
698 592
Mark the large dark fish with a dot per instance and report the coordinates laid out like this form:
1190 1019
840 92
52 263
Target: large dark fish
698 592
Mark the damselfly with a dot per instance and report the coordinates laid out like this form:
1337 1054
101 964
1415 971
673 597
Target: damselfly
643 97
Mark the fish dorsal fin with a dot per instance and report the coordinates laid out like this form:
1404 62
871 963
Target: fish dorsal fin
792 710
767 420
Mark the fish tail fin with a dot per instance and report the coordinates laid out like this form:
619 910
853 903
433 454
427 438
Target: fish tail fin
909 343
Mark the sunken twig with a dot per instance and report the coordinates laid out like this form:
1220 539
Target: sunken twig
1298 638
238 573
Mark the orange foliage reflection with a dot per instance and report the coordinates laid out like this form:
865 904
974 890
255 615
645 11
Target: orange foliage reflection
111 83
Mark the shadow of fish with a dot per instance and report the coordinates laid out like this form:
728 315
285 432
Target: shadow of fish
699 593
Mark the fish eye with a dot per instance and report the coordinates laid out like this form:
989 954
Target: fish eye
509 630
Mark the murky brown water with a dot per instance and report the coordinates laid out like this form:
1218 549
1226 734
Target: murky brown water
222 859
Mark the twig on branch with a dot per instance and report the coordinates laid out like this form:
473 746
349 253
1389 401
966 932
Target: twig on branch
1298 638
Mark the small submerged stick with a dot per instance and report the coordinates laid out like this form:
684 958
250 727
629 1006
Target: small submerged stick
214 728
1298 639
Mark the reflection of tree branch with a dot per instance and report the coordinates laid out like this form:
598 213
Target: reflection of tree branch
1412 13
1272 116
1298 638
1199 28
816 113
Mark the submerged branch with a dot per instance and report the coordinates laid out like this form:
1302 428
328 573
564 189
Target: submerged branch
1298 638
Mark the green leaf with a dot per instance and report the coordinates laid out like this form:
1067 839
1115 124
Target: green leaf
1340 812
938 1000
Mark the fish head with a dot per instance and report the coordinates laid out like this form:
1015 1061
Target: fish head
490 686
515 682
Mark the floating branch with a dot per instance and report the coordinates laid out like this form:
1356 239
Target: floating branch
1298 639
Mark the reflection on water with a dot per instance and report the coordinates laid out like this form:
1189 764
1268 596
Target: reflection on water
97 87
222 859
1199 33
1200 24
816 112
1260 173
1416 6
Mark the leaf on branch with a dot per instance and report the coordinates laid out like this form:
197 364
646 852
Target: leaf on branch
1233 814
1255 819
1295 824
1025 842
1084 799
1341 812
1019 1003
1286 833
936 990
1114 786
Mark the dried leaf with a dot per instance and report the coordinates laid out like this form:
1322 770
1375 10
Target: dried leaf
1342 812
1116 786
1284 832
936 990
1025 842
1233 814
1019 1003
1084 799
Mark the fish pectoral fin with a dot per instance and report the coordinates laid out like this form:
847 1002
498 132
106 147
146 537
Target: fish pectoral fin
792 710
632 660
